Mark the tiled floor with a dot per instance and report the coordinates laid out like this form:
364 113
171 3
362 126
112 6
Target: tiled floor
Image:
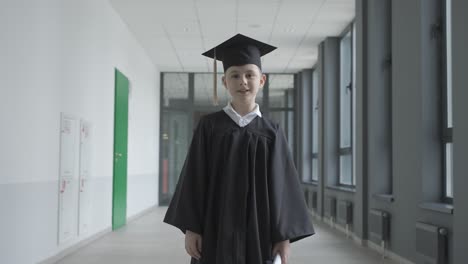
148 240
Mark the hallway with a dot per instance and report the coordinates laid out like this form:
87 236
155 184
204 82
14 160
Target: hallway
148 240
101 98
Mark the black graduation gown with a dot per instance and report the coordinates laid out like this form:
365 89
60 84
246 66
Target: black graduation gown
240 190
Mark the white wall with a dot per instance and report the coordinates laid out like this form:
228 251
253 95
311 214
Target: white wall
59 56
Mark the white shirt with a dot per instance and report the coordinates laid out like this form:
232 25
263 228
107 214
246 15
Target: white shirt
242 121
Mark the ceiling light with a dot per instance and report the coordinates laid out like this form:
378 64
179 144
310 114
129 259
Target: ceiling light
254 26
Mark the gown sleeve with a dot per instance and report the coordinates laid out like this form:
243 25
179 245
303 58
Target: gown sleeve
186 209
289 214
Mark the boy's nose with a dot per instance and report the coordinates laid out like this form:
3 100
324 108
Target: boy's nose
243 80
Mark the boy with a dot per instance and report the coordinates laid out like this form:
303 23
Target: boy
238 199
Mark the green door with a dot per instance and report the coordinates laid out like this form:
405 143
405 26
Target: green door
119 185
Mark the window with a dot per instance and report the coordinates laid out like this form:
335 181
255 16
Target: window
175 131
176 89
447 109
186 97
353 99
315 115
203 90
346 110
281 103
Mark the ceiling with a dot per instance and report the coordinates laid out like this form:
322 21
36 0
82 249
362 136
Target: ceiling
175 33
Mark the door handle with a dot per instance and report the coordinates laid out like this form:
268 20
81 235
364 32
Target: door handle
117 156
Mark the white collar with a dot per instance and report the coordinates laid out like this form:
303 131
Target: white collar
242 121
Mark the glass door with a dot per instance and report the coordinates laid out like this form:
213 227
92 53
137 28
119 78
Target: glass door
175 140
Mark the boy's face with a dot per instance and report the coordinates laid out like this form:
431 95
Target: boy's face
244 82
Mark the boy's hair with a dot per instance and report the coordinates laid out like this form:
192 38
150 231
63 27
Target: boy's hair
258 68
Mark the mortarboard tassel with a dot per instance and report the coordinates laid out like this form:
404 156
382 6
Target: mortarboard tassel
215 82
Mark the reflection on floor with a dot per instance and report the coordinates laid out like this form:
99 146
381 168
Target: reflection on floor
148 240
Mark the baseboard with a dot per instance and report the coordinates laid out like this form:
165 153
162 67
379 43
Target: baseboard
142 213
86 241
388 253
315 215
362 242
350 234
75 247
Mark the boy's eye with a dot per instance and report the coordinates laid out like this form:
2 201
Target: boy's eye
235 76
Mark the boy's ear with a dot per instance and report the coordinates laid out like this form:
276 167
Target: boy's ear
224 81
262 80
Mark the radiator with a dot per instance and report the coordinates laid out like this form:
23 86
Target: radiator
314 201
431 244
330 207
344 214
379 225
306 197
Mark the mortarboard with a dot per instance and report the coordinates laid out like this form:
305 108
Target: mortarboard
236 51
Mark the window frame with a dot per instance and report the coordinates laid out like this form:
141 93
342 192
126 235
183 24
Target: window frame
446 130
315 143
193 109
344 151
286 110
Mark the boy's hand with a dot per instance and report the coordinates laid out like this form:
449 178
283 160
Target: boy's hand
193 244
282 248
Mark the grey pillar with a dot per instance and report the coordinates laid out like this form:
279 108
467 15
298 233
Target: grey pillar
360 168
330 98
305 119
460 129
